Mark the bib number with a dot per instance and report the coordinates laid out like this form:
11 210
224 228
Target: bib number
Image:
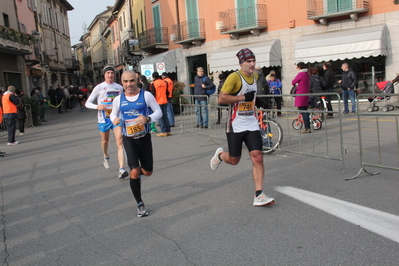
134 130
246 108
108 112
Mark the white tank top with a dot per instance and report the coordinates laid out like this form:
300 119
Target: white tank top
242 116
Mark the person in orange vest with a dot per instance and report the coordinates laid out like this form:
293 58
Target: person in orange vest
171 115
10 102
159 88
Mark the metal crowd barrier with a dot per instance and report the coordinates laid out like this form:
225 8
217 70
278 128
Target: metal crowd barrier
318 144
378 134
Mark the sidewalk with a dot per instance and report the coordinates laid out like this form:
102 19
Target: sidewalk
60 206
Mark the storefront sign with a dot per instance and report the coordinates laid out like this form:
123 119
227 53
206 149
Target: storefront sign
160 67
147 70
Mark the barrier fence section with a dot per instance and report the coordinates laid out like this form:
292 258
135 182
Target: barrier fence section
319 143
378 134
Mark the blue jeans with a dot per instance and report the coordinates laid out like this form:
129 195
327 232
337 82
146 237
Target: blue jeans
171 115
351 95
202 112
163 121
305 116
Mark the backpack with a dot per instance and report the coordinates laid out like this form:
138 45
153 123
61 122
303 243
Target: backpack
211 90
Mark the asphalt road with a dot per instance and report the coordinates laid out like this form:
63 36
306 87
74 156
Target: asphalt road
60 206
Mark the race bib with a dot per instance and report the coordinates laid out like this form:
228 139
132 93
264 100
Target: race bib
133 129
246 108
108 111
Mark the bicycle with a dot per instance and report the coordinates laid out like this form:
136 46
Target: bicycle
297 124
271 132
321 107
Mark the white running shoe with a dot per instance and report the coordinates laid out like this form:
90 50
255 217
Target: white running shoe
12 143
215 161
122 173
106 163
141 211
263 200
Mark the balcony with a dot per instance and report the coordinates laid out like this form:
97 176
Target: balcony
15 42
189 32
248 19
322 10
71 64
155 38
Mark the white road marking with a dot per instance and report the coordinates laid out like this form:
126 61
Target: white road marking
382 223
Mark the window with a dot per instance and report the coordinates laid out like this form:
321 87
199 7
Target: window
44 14
334 6
6 20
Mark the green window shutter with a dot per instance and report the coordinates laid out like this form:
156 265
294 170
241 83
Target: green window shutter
157 23
192 19
246 13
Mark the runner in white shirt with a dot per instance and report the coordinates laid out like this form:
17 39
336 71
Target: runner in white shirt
104 94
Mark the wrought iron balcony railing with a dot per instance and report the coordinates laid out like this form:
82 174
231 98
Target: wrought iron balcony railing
154 38
243 19
71 64
317 9
189 31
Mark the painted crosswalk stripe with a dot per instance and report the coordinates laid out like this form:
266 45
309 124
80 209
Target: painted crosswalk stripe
382 223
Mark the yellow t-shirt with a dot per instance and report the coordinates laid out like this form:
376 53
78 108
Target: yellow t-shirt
232 85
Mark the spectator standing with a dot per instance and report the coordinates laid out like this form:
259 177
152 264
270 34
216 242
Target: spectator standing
201 84
348 83
317 85
10 102
41 102
262 89
329 77
159 88
60 96
276 86
131 107
21 113
67 98
171 115
104 94
302 80
222 78
53 96
239 91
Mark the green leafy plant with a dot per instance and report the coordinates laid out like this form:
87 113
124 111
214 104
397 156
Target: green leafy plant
177 92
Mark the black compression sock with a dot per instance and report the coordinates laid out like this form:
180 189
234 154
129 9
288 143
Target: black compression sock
135 186
258 192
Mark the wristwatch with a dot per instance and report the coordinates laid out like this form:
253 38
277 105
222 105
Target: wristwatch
148 119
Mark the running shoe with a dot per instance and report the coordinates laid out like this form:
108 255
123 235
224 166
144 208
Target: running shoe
122 173
141 212
263 200
215 161
12 143
106 162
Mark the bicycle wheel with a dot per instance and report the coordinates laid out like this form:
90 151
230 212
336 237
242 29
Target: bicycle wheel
272 135
320 107
297 124
317 124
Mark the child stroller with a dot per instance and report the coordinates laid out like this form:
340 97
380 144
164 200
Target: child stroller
386 87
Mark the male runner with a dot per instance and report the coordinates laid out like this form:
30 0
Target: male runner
131 109
239 91
105 93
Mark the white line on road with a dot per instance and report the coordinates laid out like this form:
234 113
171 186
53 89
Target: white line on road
382 223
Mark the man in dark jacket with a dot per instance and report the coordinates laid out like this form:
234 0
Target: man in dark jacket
348 84
201 84
329 77
262 89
